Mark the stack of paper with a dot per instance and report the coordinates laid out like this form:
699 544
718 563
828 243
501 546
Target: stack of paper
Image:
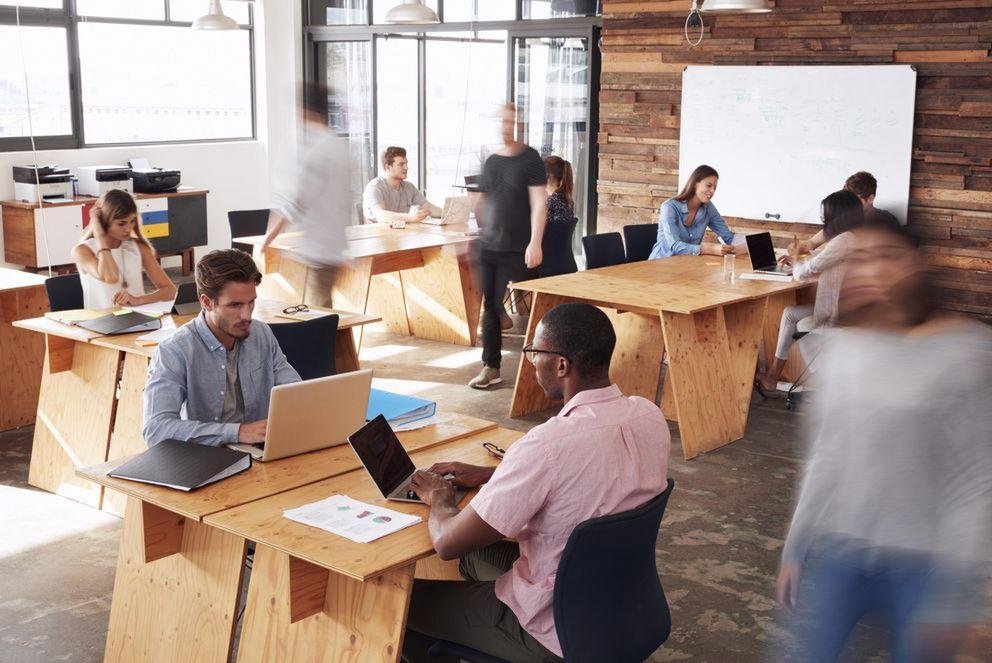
159 335
354 520
73 316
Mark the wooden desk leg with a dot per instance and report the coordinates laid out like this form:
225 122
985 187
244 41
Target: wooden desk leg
387 299
22 357
336 618
345 353
283 279
712 355
182 606
636 364
126 440
442 300
351 289
527 393
75 414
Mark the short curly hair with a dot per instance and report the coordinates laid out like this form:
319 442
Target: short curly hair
582 333
220 267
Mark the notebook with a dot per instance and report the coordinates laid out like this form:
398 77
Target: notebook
183 465
398 409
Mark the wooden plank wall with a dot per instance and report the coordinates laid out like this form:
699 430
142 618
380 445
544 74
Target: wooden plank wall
949 41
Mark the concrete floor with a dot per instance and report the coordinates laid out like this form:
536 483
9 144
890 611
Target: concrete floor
717 550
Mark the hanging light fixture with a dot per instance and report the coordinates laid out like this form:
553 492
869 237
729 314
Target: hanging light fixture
215 19
411 11
735 6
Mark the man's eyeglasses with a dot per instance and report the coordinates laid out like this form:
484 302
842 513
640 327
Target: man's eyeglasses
531 353
493 449
299 308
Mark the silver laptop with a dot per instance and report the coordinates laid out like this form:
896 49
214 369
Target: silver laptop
387 462
456 210
313 414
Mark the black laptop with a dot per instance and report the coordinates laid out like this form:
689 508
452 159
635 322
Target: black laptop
387 462
762 253
187 302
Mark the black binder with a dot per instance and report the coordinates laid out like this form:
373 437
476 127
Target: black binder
183 465
124 323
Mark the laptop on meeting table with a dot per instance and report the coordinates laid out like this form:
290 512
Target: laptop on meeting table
387 462
312 414
456 210
762 254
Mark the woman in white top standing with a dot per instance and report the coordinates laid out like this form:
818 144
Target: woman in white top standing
114 254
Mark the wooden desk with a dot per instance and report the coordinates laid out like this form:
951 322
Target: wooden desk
711 330
178 578
314 596
22 295
81 421
419 278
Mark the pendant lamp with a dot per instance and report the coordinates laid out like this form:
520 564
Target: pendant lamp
411 11
735 6
215 19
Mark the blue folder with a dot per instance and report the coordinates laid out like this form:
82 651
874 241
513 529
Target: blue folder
398 409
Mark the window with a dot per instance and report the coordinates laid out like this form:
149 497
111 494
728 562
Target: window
380 7
345 67
396 87
47 84
338 12
201 91
479 10
143 75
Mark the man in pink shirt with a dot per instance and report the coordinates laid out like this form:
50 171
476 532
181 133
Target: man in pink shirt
604 453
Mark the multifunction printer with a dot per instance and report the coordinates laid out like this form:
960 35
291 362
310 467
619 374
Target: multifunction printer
33 184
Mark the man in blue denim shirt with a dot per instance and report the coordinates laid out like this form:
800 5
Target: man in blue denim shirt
683 220
210 383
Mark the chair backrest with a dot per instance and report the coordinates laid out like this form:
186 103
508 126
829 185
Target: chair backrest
309 345
603 250
65 292
557 249
639 240
245 223
608 601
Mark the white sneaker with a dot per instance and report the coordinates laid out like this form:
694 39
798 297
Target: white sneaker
486 378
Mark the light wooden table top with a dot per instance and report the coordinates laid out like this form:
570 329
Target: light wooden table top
14 279
379 239
680 284
266 310
263 522
267 479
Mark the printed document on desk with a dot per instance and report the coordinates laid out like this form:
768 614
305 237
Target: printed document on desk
354 520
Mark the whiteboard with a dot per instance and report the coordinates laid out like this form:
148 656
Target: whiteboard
783 138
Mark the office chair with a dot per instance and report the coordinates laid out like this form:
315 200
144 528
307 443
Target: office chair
639 240
245 223
609 604
603 250
309 345
65 293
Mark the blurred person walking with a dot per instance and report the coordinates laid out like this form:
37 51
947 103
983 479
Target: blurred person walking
512 216
894 513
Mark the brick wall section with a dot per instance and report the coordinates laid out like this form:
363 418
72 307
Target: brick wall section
949 41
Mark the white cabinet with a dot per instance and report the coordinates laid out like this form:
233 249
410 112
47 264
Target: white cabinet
56 231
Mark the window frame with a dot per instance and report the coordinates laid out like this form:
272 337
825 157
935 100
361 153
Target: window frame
575 26
68 18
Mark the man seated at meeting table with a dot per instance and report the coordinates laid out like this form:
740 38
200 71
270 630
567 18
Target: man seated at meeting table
604 453
683 220
389 197
210 382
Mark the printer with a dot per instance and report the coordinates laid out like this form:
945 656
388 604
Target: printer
33 184
97 180
149 179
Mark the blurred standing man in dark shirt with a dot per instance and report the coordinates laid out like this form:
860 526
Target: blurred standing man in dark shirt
512 215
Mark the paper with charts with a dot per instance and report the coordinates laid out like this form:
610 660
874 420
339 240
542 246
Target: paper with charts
358 521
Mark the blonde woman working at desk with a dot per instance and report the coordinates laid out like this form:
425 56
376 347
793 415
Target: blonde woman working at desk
114 254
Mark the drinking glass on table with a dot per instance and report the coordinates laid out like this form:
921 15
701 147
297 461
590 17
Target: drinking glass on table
729 267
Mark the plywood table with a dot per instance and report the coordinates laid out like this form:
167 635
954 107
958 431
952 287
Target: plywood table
80 419
314 596
22 354
178 578
419 278
711 330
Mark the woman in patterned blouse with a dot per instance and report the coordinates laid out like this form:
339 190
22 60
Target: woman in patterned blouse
559 189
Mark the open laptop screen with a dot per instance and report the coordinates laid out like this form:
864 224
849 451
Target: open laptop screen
761 250
382 454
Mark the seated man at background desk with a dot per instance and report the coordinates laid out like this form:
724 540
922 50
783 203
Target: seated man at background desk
210 382
389 197
604 453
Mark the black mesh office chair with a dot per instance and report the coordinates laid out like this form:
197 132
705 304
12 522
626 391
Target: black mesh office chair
309 345
609 604
639 240
65 293
603 250
245 223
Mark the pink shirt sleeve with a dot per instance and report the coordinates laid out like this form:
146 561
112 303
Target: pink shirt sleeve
518 488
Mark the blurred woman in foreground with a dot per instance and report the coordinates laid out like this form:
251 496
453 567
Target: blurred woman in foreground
894 515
